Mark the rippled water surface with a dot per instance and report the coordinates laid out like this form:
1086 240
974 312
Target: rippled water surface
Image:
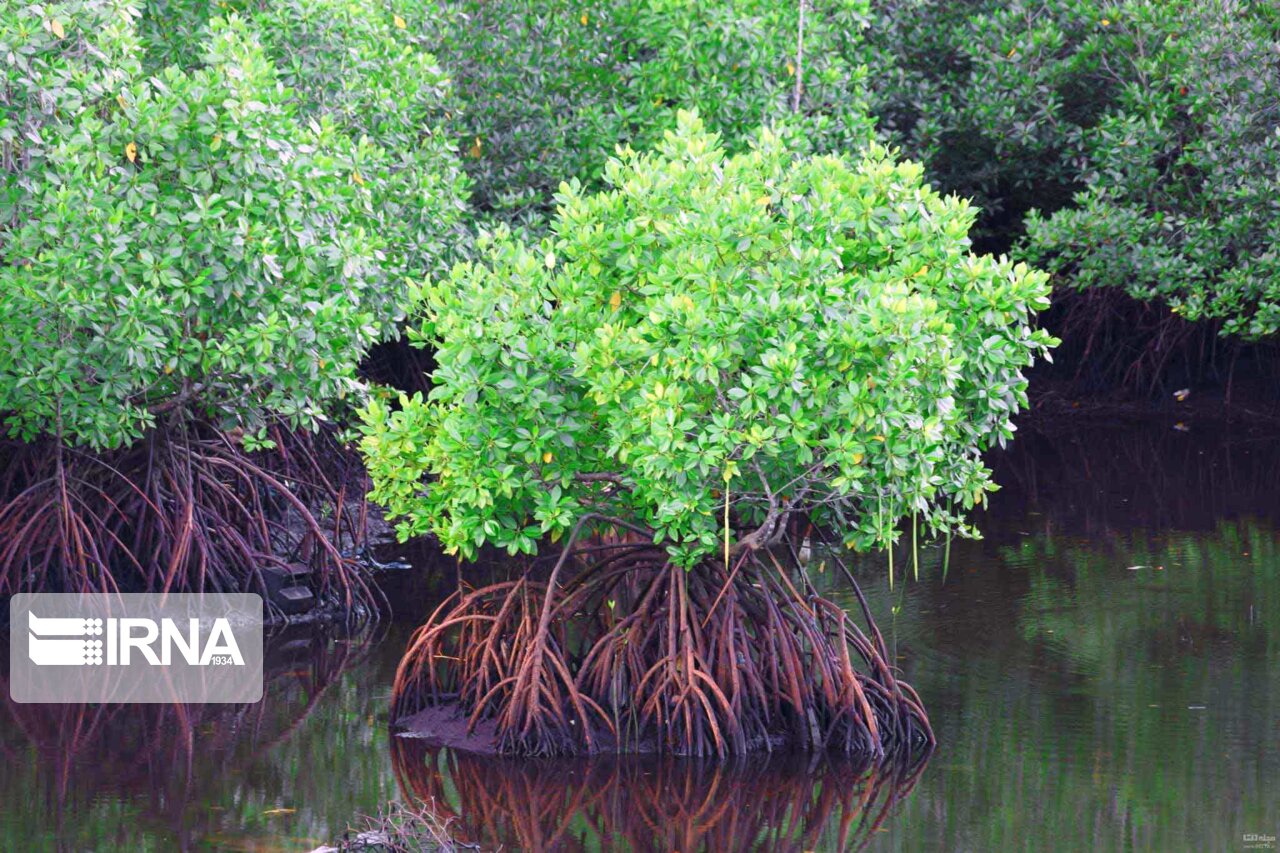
1102 672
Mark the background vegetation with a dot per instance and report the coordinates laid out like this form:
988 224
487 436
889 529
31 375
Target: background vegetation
212 211
1126 147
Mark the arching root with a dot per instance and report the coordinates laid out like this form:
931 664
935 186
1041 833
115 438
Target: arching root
636 653
185 509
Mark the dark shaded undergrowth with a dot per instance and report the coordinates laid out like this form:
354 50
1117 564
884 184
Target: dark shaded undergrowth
185 509
1117 351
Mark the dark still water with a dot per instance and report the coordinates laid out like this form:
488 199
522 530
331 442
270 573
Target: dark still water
1102 672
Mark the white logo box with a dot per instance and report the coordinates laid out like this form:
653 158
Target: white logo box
135 647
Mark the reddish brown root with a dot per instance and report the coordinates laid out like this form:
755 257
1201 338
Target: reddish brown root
182 510
636 653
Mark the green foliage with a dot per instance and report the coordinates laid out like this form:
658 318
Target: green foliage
799 332
550 89
1139 135
174 32
369 72
194 243
1180 199
737 64
994 97
60 60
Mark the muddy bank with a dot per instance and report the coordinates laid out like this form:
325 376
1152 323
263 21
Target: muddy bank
446 726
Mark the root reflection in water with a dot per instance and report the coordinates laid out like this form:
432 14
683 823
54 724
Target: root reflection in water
778 802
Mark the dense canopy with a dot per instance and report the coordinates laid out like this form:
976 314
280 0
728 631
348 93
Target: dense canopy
777 331
205 241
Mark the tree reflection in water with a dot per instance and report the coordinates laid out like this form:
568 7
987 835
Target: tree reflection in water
649 802
73 761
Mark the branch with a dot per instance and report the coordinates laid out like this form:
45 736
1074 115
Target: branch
599 477
187 393
770 530
795 106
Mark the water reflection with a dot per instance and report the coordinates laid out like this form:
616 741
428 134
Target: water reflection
126 776
1118 695
1103 670
1100 480
778 803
